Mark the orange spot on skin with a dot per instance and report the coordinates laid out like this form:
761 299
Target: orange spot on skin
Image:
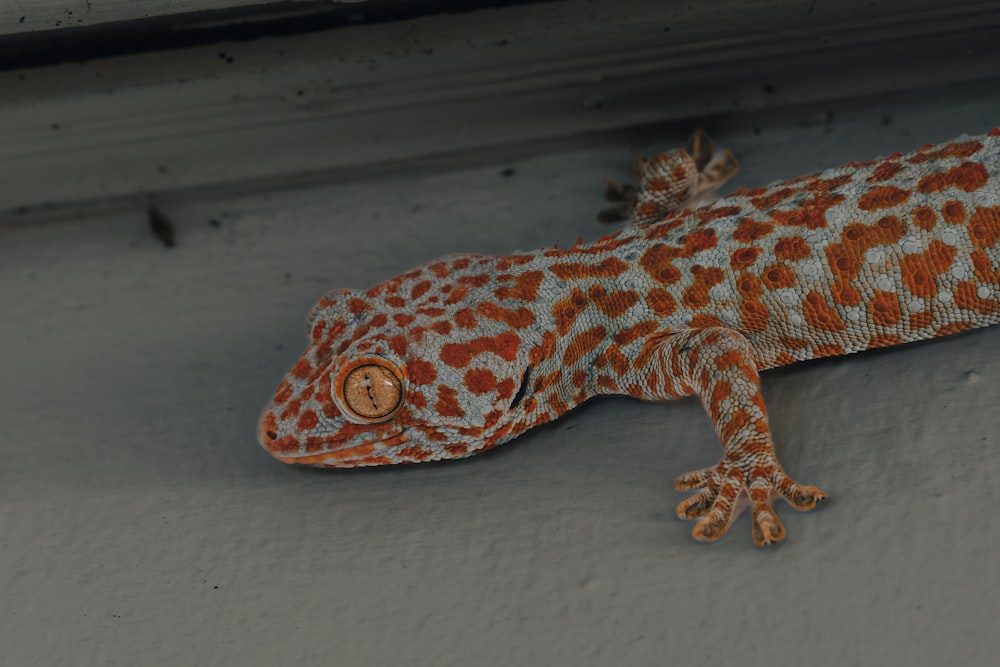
292 408
612 267
984 227
544 350
968 176
710 213
700 240
583 343
579 377
509 261
395 301
744 257
357 306
704 321
420 371
791 248
443 327
633 333
566 310
505 388
884 307
819 315
884 340
884 172
811 214
754 315
883 196
784 359
953 212
417 400
828 350
480 380
924 217
456 448
518 319
606 382
967 298
749 286
660 302
952 328
619 362
771 199
477 280
465 319
614 304
661 229
447 402
420 289
918 275
402 320
413 453
844 294
696 295
748 231
720 392
940 255
302 369
398 345
736 423
459 355
457 295
960 150
439 269
283 393
525 287
778 276
648 209
658 263
659 184
920 320
982 268
307 421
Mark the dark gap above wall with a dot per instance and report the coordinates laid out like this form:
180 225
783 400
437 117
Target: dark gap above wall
178 31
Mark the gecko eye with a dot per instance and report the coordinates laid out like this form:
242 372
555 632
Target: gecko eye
369 390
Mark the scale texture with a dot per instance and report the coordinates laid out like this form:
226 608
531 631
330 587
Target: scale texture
466 352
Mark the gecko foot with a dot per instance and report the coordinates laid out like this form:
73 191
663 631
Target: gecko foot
670 182
722 485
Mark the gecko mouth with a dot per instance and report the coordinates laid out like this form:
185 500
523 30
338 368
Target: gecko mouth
338 453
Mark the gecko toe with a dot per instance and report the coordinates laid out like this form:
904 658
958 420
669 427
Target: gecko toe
800 496
767 527
695 479
697 505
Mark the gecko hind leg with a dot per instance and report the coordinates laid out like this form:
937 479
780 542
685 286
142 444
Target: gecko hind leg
670 181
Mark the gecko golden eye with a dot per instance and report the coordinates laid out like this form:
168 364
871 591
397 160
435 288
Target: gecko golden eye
370 390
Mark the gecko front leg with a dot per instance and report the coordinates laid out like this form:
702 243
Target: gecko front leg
717 364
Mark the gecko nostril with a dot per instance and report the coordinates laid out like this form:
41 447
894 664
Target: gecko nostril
271 435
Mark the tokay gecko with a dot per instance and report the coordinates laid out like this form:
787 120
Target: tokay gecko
466 352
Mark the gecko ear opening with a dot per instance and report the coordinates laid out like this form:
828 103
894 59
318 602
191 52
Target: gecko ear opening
334 304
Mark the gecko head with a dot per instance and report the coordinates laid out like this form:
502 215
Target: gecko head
387 379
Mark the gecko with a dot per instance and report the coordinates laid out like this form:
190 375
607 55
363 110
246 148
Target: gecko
468 351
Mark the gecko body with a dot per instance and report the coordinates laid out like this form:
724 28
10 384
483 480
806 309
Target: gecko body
466 352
